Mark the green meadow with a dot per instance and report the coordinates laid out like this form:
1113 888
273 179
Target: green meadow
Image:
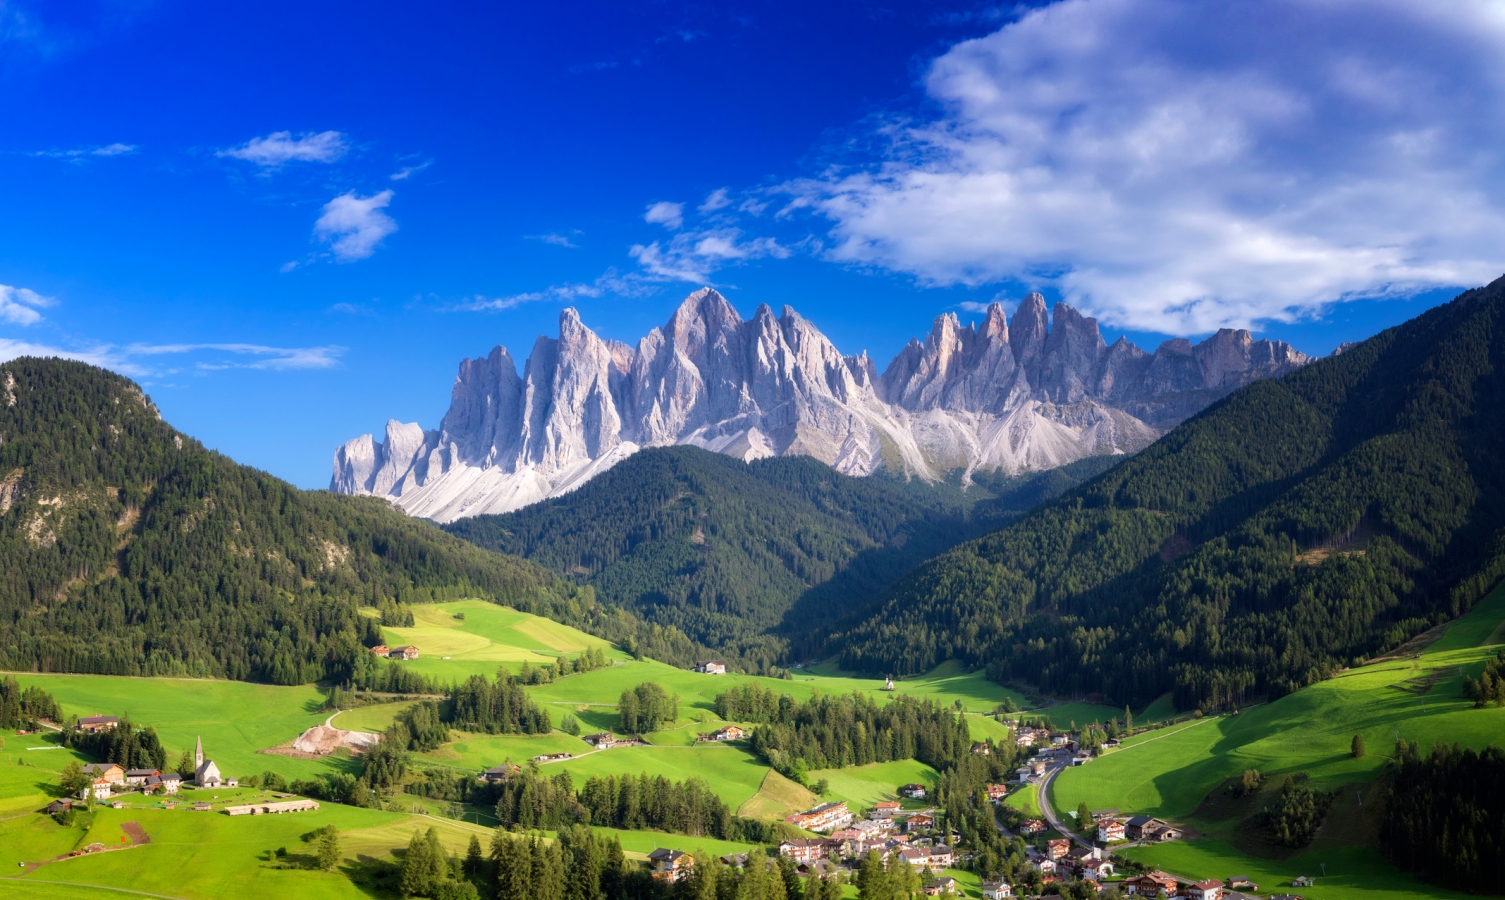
862 786
236 720
474 637
1178 772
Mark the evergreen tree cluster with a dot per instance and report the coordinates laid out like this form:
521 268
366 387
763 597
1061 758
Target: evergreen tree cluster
646 708
127 744
25 707
1442 819
589 660
395 614
827 732
499 707
128 548
1489 687
1296 815
1222 562
962 792
531 800
760 560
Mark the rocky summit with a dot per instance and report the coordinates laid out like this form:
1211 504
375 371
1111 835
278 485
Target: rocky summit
1016 395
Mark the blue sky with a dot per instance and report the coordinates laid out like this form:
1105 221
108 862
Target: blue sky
291 221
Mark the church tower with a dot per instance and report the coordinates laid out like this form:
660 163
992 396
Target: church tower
198 754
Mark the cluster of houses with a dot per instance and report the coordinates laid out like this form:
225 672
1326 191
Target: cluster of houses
108 779
406 651
1113 828
885 831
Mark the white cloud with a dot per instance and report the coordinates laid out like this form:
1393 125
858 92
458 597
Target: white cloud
693 255
974 306
669 215
280 148
79 152
406 172
630 285
19 305
1177 166
558 240
98 356
355 225
273 357
717 199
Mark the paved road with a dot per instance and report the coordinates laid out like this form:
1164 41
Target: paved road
1051 819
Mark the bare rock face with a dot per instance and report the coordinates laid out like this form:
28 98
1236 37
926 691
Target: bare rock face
1016 396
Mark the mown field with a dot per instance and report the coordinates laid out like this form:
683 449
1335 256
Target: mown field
1179 772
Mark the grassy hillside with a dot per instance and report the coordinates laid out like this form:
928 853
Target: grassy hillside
1179 773
763 558
474 637
128 548
1294 527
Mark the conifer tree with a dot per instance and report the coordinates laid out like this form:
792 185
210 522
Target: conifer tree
329 848
1357 749
417 869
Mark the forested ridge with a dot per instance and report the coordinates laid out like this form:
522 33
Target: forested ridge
127 548
758 559
1287 530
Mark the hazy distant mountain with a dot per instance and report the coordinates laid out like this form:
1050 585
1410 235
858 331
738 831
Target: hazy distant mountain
997 395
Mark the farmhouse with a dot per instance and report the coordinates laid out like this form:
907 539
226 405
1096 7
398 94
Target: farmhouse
940 886
711 667
1144 828
803 850
1025 737
1096 869
918 821
1150 884
913 791
406 651
380 650
167 784
262 809
1211 889
729 733
605 740
1110 830
826 817
139 776
553 757
1032 827
97 723
1057 848
109 773
671 865
982 748
997 890
942 857
997 792
885 810
498 774
62 804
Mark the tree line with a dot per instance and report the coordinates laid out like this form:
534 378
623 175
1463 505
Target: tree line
1442 818
646 708
127 744
26 707
832 731
1489 687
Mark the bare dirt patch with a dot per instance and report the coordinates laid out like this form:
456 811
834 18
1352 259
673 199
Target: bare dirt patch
136 833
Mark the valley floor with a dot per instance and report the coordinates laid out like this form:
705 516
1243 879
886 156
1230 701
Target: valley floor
1175 772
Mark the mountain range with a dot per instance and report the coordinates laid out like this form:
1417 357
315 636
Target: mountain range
1295 528
996 395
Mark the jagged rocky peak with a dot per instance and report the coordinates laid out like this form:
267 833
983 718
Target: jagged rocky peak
1029 392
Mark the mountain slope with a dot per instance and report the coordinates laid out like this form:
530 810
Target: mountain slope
128 548
1298 524
981 398
751 556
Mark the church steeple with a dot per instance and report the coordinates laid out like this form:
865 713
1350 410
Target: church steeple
198 754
